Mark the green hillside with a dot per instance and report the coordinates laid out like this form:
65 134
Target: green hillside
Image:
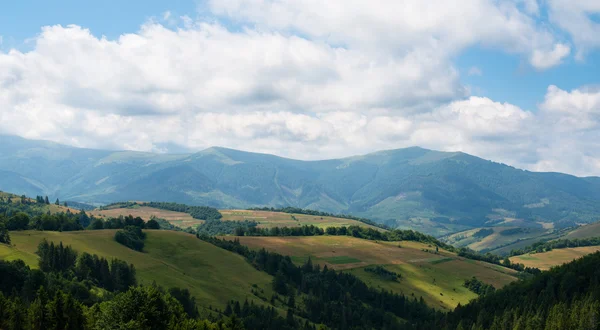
171 259
437 277
434 192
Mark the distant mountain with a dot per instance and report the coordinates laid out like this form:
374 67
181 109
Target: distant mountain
432 191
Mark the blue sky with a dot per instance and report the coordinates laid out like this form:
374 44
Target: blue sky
510 80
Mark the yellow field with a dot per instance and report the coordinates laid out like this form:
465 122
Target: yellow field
179 219
267 219
553 258
438 278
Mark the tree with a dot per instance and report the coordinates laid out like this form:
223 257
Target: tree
152 224
57 202
4 235
19 221
279 284
46 200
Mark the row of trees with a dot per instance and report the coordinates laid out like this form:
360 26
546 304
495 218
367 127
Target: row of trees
479 287
297 210
542 246
494 259
354 231
197 212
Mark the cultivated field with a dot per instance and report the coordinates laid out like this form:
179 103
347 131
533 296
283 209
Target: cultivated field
495 240
267 219
179 219
172 259
553 258
438 278
586 231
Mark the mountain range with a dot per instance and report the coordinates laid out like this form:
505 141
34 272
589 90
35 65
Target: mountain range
432 191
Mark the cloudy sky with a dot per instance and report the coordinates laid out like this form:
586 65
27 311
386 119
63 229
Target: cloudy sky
515 81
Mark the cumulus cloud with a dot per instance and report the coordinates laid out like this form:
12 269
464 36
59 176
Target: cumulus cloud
543 60
298 80
400 25
575 17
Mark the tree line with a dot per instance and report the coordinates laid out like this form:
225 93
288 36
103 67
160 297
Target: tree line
494 259
545 246
197 212
478 287
353 231
297 210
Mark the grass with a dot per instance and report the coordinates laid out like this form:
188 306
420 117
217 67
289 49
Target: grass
171 259
556 257
340 260
267 219
494 240
586 231
438 278
179 219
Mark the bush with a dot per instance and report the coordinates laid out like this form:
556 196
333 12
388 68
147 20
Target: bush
132 237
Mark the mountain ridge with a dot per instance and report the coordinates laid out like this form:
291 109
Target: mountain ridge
433 191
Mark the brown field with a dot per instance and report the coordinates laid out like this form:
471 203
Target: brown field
438 278
180 219
553 258
267 219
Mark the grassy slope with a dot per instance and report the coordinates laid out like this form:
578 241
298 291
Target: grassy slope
171 259
438 278
587 231
268 219
495 241
180 219
264 218
553 258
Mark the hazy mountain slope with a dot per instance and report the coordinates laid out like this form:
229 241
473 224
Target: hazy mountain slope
436 192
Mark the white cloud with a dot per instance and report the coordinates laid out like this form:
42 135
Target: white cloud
300 81
574 16
400 25
543 60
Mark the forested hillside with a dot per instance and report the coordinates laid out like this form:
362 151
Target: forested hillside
431 191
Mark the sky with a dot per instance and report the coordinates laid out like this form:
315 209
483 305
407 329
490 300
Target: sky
514 81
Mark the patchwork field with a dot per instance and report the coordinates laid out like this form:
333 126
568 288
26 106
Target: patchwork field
267 219
438 278
179 219
497 239
213 275
556 257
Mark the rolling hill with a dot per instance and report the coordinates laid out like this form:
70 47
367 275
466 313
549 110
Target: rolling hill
430 191
556 257
438 278
265 219
171 259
